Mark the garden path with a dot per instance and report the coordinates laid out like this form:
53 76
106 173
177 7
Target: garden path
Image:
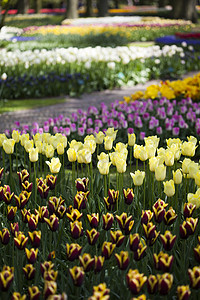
42 114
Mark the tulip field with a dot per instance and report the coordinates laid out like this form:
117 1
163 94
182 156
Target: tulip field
103 204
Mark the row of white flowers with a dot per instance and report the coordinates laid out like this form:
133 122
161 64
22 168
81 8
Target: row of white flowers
85 55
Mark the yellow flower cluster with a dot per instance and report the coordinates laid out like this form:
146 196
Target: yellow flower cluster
189 87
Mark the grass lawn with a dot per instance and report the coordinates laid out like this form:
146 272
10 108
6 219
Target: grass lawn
14 105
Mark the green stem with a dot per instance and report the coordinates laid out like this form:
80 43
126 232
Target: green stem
35 184
41 165
105 186
16 156
131 153
136 164
73 176
91 179
4 165
144 188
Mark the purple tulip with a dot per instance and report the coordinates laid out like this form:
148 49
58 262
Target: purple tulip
175 131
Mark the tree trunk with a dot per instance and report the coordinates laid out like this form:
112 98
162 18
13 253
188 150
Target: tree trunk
89 8
102 8
38 6
72 9
185 9
23 6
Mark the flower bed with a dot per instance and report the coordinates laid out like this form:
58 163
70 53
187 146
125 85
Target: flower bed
189 87
74 71
62 239
173 40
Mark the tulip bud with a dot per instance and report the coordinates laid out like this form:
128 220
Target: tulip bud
183 292
50 289
107 221
53 222
128 196
20 240
107 249
82 184
170 216
35 238
8 146
98 263
169 188
87 262
11 212
134 241
165 282
92 236
51 181
6 278
54 165
31 255
122 260
29 271
5 236
135 281
138 177
163 261
146 217
73 251
152 284
168 240
177 176
160 172
140 252
33 154
77 275
131 139
32 221
60 149
188 209
194 275
76 229
125 223
93 220
33 292
117 237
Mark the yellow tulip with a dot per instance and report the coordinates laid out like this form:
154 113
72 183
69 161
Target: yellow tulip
193 168
28 145
169 188
54 141
160 172
152 140
103 166
192 139
103 156
136 151
39 146
151 150
84 156
175 148
16 136
153 163
37 137
8 146
75 145
194 198
60 149
33 154
108 143
197 178
111 133
63 140
172 141
143 154
46 137
138 177
54 165
90 145
185 165
99 137
49 151
120 163
188 149
169 158
177 176
71 153
24 137
2 138
131 139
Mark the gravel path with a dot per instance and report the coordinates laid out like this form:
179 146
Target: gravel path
42 114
